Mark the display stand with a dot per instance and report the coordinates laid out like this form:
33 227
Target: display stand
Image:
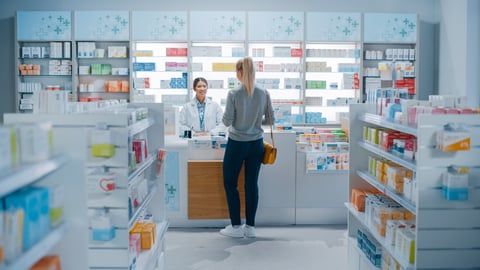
75 133
319 196
34 174
391 39
71 175
447 234
43 53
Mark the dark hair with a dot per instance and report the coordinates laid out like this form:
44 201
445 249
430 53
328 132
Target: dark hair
197 80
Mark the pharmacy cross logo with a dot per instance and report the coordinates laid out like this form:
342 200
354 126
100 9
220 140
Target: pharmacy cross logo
171 190
181 22
166 26
173 30
57 30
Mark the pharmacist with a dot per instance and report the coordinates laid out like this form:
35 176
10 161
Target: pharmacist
201 116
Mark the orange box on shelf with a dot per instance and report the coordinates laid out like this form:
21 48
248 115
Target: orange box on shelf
384 215
381 229
51 262
409 215
358 199
398 214
147 236
125 86
151 227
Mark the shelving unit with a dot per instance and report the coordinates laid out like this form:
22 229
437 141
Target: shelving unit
42 248
445 230
43 51
100 73
82 203
15 179
279 69
168 82
377 53
65 169
391 39
115 253
331 77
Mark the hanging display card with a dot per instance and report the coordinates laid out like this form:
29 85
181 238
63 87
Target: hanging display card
44 25
159 25
275 26
102 25
217 25
338 27
390 27
172 188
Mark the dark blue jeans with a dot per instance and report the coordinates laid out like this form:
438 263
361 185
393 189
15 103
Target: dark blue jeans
238 153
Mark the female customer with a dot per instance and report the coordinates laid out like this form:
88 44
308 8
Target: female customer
201 115
244 111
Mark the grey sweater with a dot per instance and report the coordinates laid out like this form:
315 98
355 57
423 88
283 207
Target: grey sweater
244 114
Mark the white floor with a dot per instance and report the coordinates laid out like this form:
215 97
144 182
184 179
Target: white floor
280 248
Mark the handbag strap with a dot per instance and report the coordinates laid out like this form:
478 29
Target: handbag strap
269 118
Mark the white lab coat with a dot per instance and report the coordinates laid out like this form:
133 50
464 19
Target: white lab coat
212 118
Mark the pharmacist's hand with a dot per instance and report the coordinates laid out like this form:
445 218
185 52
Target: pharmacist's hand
202 133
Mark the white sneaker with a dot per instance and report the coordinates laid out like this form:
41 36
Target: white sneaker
232 231
249 231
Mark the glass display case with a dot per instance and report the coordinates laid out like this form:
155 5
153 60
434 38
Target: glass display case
216 63
160 72
331 80
103 70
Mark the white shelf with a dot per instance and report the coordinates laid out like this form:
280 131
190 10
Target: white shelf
142 206
410 206
140 168
147 259
361 217
327 171
437 219
409 164
13 179
377 120
140 126
27 259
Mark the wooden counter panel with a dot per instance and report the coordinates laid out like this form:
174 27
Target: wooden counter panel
206 195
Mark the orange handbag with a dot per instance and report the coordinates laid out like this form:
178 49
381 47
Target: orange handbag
270 153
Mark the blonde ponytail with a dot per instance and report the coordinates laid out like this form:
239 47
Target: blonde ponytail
245 66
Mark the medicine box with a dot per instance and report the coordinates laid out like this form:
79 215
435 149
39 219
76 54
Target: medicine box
29 202
117 52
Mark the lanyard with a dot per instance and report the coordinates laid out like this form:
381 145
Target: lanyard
201 115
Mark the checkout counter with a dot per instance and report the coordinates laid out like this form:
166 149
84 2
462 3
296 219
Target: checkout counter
288 194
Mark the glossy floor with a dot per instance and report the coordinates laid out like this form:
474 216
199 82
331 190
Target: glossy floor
279 247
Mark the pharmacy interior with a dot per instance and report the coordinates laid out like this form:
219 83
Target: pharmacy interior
357 144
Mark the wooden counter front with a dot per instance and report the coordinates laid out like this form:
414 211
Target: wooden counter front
206 195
